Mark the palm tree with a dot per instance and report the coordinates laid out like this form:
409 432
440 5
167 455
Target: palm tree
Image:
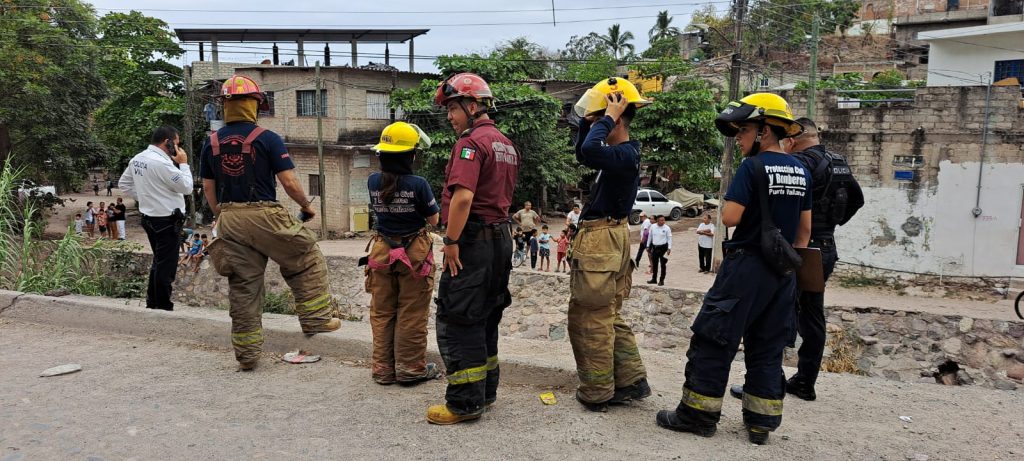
618 42
662 28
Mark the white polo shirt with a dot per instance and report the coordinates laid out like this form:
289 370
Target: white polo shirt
661 235
152 179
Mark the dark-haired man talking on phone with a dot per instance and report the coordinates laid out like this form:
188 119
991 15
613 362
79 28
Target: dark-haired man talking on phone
157 178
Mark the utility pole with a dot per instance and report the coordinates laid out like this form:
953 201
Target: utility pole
191 203
320 153
812 94
739 9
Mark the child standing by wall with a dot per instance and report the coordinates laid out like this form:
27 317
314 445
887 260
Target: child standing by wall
533 249
545 248
563 247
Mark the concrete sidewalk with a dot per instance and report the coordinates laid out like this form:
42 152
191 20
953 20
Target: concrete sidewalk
179 386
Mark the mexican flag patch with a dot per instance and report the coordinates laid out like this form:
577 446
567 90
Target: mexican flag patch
467 153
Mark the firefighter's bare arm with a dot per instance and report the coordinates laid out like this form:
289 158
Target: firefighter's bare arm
291 186
803 233
210 191
458 214
432 220
731 213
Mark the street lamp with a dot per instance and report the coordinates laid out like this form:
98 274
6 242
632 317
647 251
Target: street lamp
188 134
705 28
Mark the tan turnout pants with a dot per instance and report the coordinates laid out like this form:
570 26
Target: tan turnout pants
250 233
399 309
600 278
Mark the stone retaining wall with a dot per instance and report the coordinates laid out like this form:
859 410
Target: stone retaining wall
899 345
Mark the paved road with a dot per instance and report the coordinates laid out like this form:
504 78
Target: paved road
139 398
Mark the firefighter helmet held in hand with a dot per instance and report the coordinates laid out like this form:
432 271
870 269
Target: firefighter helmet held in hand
594 100
767 107
238 86
401 137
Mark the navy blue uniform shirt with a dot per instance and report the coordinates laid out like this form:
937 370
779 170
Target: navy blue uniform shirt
789 193
618 175
270 158
412 204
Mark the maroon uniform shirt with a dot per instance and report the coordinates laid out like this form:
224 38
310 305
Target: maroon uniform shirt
485 162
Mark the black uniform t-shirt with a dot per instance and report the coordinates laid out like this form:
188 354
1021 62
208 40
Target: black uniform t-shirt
412 203
789 193
269 157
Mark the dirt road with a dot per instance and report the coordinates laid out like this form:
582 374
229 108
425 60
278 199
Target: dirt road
139 398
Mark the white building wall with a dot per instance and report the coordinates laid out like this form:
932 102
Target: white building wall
953 62
932 229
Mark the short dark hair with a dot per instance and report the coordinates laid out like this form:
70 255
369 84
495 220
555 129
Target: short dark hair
544 226
778 131
628 114
162 134
807 123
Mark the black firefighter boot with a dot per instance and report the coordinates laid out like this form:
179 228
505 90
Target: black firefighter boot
637 391
684 419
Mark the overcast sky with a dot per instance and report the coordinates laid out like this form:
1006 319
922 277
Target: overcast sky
450 31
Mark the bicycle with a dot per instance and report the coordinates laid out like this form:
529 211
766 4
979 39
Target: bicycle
518 258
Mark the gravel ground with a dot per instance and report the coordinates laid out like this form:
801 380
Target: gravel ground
139 398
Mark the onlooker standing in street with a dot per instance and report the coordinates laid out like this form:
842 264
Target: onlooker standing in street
661 246
705 240
110 187
79 224
90 218
573 217
534 248
527 218
157 178
545 249
101 219
120 213
111 222
645 234
95 188
563 248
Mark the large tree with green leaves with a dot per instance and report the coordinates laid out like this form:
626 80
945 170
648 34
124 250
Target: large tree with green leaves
678 132
138 47
586 58
51 84
618 42
528 117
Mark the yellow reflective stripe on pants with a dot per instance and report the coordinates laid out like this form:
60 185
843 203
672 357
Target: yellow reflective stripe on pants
469 375
314 304
247 338
702 402
768 407
597 377
492 363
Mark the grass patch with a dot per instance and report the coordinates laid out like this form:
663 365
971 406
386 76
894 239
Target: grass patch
279 303
846 351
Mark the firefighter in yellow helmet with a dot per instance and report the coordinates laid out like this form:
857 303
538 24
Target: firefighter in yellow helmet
753 295
242 163
400 272
607 359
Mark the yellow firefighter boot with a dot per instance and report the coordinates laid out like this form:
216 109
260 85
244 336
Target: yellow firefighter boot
441 415
328 326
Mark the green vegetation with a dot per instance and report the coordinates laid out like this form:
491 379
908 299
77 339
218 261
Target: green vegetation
106 268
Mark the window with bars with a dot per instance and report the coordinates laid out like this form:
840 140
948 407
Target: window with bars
378 105
314 185
1011 68
305 103
270 102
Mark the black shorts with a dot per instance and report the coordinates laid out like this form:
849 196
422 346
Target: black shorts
545 252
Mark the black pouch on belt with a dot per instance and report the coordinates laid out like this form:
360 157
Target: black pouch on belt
775 250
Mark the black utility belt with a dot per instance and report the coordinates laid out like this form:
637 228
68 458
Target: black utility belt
481 231
825 242
738 251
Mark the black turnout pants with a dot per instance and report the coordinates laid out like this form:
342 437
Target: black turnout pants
469 308
811 318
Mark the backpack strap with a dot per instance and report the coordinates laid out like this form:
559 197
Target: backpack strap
215 144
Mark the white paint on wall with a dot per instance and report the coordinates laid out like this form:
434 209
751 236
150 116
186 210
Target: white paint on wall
965 60
932 230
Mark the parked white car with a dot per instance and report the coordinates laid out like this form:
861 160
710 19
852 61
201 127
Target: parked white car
652 203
